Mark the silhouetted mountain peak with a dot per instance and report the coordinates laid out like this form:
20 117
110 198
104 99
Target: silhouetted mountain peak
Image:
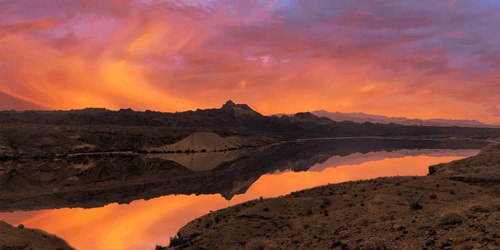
239 110
229 104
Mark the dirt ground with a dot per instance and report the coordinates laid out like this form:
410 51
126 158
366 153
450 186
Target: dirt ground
456 206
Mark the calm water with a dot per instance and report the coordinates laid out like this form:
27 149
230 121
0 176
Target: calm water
145 224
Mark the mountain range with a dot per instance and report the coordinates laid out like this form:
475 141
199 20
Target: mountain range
360 117
49 133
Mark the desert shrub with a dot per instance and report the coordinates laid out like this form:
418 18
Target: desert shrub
175 241
325 203
497 207
265 209
433 196
376 244
496 191
415 205
261 244
451 219
387 217
364 221
309 212
479 209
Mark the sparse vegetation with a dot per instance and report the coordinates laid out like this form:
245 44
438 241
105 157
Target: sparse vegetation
479 209
451 219
376 244
415 205
261 244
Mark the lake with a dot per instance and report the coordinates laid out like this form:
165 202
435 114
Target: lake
162 203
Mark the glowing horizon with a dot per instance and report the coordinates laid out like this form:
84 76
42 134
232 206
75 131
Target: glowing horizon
426 59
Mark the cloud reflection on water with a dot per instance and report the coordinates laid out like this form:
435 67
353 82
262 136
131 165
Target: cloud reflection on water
144 224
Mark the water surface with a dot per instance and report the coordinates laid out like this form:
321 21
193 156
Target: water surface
143 224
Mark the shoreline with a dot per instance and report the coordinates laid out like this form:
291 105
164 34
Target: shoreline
456 206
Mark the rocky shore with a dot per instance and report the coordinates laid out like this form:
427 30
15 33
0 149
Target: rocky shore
456 206
26 238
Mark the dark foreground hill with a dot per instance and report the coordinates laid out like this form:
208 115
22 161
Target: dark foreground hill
26 238
456 206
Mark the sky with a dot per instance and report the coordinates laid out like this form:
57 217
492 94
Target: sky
405 58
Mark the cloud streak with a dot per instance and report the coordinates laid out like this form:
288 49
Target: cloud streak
425 59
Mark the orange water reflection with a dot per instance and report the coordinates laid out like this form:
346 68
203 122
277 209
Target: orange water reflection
144 224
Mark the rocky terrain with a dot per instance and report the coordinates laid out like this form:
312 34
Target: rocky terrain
21 238
456 206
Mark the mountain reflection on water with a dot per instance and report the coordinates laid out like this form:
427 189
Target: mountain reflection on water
225 180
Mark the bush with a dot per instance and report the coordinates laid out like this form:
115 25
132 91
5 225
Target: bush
175 241
451 219
376 244
415 205
479 209
261 244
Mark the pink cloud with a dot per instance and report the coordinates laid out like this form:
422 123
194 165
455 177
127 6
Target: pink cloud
382 58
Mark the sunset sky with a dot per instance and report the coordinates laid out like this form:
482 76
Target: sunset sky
407 58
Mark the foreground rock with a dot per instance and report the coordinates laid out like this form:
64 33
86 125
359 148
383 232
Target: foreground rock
25 238
457 206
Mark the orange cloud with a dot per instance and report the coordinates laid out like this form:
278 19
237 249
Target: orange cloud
180 55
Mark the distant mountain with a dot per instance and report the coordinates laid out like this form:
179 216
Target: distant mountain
362 117
44 133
